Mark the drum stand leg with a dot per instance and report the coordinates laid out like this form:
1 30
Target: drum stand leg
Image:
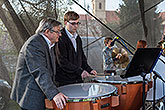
143 97
154 91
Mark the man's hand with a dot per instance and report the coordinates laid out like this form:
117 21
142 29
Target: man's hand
60 100
84 74
118 56
94 72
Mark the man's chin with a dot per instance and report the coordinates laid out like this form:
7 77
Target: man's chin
74 30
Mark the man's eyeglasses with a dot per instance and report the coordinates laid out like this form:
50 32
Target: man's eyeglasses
58 32
74 23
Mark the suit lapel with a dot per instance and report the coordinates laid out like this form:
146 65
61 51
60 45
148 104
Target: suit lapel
68 39
51 57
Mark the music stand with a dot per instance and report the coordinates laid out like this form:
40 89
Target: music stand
142 63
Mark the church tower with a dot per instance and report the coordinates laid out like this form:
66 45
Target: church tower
99 9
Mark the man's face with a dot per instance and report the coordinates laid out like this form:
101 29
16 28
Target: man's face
109 43
54 34
72 25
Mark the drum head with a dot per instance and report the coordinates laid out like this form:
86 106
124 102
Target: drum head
87 91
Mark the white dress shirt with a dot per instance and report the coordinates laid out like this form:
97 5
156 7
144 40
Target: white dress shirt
72 38
47 41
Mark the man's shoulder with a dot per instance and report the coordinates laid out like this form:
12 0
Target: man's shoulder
36 40
63 34
34 37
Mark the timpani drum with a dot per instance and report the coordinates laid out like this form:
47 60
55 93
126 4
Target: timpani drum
87 96
129 91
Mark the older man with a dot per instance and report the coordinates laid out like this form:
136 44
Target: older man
35 71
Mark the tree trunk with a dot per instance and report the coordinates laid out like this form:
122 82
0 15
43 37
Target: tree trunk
22 30
12 29
17 31
4 72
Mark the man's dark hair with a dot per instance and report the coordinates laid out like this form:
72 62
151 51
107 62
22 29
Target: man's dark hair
71 15
107 39
47 23
141 44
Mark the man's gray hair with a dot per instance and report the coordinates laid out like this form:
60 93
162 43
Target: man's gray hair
47 23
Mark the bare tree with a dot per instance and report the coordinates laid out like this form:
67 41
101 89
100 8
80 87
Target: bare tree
16 30
4 72
12 28
19 25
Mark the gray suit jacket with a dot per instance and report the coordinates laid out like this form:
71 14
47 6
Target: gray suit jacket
34 75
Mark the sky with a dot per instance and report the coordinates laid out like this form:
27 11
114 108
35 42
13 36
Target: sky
111 5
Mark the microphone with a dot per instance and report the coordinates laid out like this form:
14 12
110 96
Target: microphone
113 41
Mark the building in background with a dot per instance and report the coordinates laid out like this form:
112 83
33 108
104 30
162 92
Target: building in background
99 9
104 15
93 27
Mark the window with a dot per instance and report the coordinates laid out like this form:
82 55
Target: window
99 5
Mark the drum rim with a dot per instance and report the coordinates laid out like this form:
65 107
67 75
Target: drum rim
116 82
92 98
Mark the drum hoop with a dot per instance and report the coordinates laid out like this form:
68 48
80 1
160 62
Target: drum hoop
113 82
118 82
114 92
90 99
134 82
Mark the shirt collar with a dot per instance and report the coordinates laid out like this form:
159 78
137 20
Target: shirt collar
47 41
71 35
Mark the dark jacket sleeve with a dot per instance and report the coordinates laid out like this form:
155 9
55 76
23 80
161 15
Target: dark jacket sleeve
35 58
62 58
85 65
